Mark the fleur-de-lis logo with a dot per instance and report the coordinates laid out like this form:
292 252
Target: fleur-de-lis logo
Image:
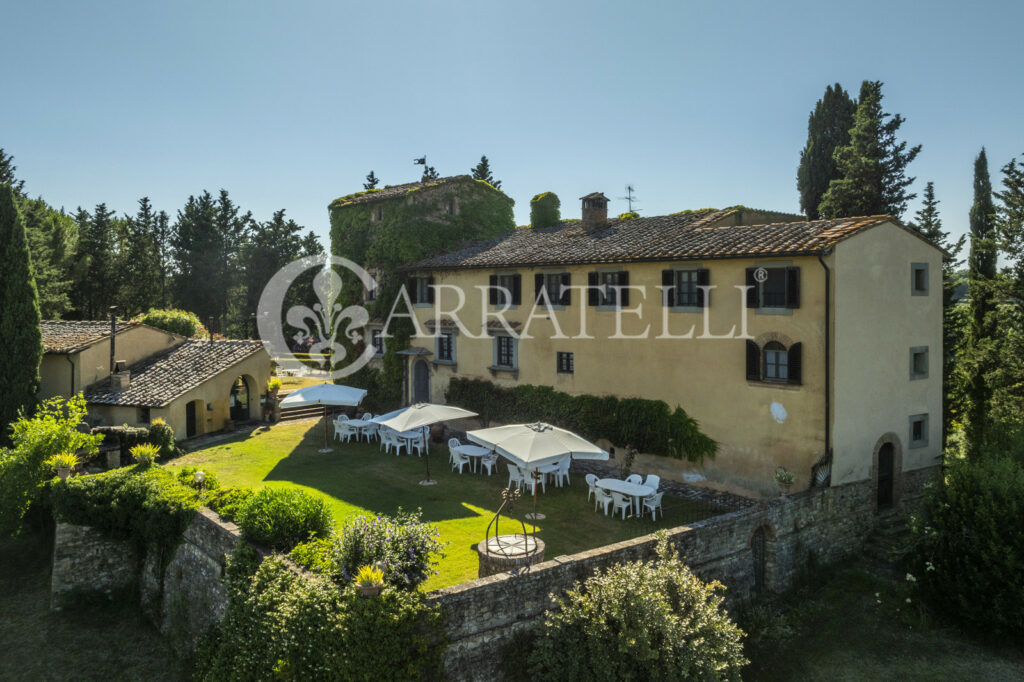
323 327
322 324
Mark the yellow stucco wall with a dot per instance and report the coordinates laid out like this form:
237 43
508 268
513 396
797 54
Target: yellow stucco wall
93 363
706 376
877 321
216 392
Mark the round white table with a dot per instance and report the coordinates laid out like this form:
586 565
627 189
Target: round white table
634 490
413 435
475 453
357 425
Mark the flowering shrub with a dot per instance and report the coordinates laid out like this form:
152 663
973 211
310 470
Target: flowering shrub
281 518
968 554
647 621
403 546
284 625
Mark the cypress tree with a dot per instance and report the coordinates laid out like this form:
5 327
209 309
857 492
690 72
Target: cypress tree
19 316
872 167
828 128
545 210
982 265
371 181
482 171
1010 215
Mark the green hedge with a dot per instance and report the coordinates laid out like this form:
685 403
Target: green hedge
281 518
651 426
175 321
143 504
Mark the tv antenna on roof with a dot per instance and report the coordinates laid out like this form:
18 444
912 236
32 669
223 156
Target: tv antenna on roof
630 196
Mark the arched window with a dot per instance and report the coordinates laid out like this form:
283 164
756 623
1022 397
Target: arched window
776 362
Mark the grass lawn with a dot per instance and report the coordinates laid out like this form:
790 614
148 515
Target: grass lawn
838 629
360 478
292 383
102 642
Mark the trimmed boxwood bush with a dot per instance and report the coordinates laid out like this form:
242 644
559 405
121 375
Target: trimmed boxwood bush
650 426
968 555
281 518
640 621
143 504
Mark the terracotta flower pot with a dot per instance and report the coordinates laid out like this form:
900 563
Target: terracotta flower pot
63 472
784 488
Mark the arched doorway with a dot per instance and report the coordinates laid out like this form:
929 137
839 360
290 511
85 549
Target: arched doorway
420 382
239 400
193 418
886 466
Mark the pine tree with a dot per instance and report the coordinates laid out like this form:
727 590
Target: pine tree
162 236
482 171
19 316
545 210
429 173
929 224
140 262
828 128
94 286
982 276
7 176
872 167
51 235
371 181
1010 225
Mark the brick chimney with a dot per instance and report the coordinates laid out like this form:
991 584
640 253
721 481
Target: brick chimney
595 210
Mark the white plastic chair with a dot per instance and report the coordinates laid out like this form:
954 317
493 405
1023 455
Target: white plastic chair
419 442
459 460
591 485
342 431
562 473
515 475
390 440
653 481
489 461
620 501
371 431
602 498
453 444
634 478
653 502
532 481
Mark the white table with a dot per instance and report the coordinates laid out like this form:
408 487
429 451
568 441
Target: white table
475 453
357 425
414 435
634 490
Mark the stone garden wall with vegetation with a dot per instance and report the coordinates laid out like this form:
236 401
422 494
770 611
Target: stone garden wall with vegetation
823 526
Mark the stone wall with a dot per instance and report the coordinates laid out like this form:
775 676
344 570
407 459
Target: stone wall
183 601
829 523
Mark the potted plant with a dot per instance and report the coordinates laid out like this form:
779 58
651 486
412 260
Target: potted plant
784 479
145 453
273 386
63 463
370 580
273 406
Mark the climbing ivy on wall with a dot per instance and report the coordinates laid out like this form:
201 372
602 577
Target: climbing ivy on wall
412 226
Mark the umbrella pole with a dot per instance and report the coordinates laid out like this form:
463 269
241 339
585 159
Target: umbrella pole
325 448
426 459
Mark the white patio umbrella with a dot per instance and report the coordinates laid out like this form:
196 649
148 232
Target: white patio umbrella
424 414
535 445
388 415
325 394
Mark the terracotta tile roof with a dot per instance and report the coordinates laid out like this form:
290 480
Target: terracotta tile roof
161 378
684 236
66 336
393 192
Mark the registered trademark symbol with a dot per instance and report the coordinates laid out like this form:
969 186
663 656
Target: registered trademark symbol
760 274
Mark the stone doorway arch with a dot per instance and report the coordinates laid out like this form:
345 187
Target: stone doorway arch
887 471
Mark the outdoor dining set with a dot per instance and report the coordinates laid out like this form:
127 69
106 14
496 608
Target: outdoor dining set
536 454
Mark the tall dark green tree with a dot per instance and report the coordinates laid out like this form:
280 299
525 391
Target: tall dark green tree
7 174
545 210
979 360
1010 224
19 316
141 281
828 128
51 237
929 224
94 289
371 181
482 171
872 167
429 173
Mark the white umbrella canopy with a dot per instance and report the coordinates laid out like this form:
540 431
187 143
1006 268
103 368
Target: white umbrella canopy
325 394
424 414
534 445
388 415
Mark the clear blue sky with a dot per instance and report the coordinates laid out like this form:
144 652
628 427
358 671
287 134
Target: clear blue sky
290 104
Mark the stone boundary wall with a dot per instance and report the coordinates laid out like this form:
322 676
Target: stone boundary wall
483 615
183 603
829 523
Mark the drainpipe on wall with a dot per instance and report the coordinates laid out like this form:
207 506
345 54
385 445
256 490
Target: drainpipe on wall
828 356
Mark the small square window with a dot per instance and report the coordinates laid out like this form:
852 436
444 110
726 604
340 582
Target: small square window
918 279
377 339
566 363
919 431
377 214
144 415
919 362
